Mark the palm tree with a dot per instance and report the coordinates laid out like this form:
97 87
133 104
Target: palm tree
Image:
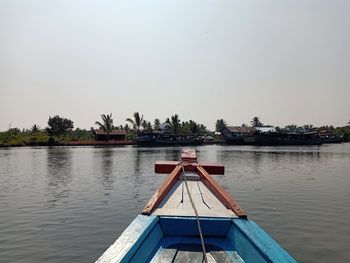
194 127
202 129
220 125
144 124
256 122
136 122
291 127
175 123
126 128
308 127
149 126
156 124
106 125
35 128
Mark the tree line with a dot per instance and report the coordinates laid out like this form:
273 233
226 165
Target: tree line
62 129
137 124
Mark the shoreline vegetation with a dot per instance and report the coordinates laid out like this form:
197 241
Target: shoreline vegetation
60 131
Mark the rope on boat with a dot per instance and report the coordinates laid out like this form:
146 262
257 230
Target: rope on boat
196 213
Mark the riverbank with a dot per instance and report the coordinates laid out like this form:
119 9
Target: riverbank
96 143
72 143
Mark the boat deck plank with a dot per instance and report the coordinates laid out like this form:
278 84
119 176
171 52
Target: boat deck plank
188 252
177 201
181 249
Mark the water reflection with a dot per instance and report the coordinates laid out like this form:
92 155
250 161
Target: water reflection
59 166
137 161
107 167
59 173
137 180
173 154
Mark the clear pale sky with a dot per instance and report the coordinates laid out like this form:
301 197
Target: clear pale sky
284 61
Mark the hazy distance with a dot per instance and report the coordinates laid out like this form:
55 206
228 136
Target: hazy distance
284 61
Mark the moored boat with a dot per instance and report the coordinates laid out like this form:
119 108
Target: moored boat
238 135
163 138
330 137
190 218
287 138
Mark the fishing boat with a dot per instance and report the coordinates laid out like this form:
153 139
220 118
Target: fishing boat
191 218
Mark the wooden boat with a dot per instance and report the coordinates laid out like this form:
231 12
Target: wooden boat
163 138
287 138
330 137
190 218
237 135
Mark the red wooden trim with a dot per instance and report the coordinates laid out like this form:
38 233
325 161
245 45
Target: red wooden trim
188 155
213 168
165 167
161 192
220 193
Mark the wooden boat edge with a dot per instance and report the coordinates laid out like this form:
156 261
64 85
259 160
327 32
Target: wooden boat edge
248 235
130 240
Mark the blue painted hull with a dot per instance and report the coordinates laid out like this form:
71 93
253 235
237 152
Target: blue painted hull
170 239
167 230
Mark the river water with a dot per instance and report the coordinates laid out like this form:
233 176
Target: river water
68 204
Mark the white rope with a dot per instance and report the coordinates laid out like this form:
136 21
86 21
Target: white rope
196 213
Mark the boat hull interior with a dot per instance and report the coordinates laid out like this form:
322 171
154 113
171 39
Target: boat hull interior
175 239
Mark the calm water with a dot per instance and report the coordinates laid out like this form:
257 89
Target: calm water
69 204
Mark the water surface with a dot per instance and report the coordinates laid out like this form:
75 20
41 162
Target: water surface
68 204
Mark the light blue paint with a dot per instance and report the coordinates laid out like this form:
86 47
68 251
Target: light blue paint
139 229
243 240
148 246
268 248
247 251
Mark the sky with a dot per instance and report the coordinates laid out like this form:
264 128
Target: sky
283 61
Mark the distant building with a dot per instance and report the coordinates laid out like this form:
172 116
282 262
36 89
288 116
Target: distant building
114 135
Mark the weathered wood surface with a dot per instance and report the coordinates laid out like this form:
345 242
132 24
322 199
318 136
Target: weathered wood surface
124 247
220 193
164 255
188 249
189 155
213 168
190 165
177 201
162 191
165 167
